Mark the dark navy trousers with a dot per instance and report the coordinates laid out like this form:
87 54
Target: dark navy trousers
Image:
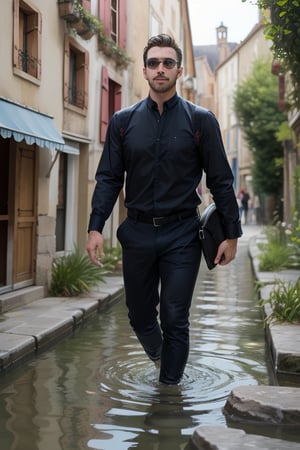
160 268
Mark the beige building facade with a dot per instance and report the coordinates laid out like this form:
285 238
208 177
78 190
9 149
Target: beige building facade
229 74
31 83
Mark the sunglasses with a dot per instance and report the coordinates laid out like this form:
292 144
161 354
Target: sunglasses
168 63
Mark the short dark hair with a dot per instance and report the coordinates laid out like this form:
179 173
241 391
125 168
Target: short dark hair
162 40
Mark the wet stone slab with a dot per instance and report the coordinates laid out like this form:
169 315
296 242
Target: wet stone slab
222 438
270 404
14 347
45 330
285 351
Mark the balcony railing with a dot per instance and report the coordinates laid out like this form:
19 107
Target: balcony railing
76 97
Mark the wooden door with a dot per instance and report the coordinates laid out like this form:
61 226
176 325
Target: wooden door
25 214
4 210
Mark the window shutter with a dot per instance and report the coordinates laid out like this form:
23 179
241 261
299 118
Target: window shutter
104 12
16 34
39 45
104 104
32 31
86 79
66 70
122 24
117 98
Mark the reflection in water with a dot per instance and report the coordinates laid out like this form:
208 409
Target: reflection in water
97 390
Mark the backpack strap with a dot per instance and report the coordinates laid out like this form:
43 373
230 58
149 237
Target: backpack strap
197 119
124 117
195 113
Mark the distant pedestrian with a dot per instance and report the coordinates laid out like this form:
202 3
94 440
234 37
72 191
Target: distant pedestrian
161 162
239 202
245 205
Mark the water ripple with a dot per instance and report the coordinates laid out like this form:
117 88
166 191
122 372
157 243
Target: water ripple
206 383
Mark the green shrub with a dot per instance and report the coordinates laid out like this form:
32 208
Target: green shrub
284 300
282 250
274 257
74 274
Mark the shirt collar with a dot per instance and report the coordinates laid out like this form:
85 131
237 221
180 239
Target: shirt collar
167 105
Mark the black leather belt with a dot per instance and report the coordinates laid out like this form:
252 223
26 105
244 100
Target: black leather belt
159 221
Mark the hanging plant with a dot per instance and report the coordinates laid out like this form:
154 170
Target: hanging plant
68 11
87 25
106 45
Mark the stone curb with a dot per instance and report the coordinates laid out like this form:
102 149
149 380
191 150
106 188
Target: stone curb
222 438
37 325
283 338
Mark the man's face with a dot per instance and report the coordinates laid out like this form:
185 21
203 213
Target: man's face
160 73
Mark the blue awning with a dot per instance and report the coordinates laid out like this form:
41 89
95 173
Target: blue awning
27 124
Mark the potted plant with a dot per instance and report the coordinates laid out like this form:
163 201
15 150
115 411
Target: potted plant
68 10
87 25
104 45
81 26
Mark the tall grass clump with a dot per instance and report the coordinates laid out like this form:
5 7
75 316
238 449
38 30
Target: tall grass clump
284 300
74 274
282 248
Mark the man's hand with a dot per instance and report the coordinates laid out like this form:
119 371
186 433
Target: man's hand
94 247
226 252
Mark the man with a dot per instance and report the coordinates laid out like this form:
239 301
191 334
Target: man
155 145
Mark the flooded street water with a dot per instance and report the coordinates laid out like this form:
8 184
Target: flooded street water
97 390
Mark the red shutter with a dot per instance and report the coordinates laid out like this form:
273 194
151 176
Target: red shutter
117 98
86 79
122 24
66 70
104 13
39 75
104 116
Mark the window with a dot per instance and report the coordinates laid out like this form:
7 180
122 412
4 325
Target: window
75 75
113 15
110 101
27 40
67 197
61 202
114 20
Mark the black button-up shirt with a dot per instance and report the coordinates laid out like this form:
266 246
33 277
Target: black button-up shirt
161 158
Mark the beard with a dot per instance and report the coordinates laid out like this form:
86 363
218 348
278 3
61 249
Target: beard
164 87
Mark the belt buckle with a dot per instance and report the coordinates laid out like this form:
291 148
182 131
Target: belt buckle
154 219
